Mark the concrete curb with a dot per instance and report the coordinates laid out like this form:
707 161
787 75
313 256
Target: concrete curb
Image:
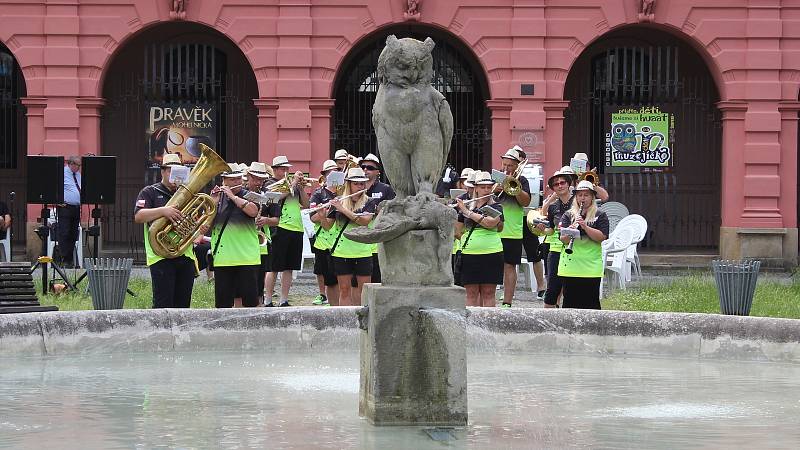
324 329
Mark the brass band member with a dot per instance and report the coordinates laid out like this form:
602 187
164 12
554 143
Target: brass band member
554 206
172 278
462 180
481 247
600 192
465 182
512 228
351 258
583 269
341 157
257 175
234 243
287 243
378 191
323 239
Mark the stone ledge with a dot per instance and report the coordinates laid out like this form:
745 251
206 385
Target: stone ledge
488 330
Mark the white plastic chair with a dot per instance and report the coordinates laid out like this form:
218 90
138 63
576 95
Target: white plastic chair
614 252
308 227
6 244
638 226
615 212
526 268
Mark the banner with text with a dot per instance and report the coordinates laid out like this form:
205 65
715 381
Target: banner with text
180 129
640 137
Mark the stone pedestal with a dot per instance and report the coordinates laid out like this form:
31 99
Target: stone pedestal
413 356
415 258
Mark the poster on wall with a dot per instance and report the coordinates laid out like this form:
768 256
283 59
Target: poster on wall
180 129
640 138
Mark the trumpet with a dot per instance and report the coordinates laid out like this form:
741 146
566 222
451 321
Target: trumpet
217 189
327 204
511 184
284 185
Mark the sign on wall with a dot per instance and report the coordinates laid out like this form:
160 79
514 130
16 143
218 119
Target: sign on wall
640 137
179 128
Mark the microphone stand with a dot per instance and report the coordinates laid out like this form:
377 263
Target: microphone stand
11 196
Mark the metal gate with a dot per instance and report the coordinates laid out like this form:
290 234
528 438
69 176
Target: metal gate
13 144
632 69
460 80
182 72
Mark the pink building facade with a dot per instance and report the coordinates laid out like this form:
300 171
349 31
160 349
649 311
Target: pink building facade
524 50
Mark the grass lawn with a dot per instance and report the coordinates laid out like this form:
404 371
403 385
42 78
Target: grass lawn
202 296
697 293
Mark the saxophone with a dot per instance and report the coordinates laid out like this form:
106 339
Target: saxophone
170 240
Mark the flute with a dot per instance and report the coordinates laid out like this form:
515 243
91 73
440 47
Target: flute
455 205
327 204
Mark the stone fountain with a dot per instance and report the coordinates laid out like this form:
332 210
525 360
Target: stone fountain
413 338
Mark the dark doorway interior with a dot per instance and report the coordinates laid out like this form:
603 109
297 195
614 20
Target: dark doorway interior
638 67
181 63
456 75
13 144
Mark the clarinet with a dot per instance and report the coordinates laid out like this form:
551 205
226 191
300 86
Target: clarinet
568 250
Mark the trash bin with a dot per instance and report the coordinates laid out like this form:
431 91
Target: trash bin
736 285
108 281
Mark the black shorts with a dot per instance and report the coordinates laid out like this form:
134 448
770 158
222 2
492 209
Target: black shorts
482 269
360 267
235 281
287 250
512 251
323 266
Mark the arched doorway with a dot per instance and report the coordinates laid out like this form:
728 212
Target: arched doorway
457 75
13 143
655 89
175 65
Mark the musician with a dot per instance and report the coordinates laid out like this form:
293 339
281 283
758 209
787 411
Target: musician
582 270
553 207
514 218
601 193
462 180
327 282
469 186
234 243
5 220
341 157
171 278
351 258
287 242
379 192
481 245
257 175
69 213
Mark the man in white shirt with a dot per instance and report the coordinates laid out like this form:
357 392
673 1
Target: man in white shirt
69 214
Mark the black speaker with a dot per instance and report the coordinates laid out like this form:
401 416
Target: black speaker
45 180
99 177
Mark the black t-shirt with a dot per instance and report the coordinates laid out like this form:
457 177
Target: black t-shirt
556 210
153 196
600 222
227 206
320 196
380 192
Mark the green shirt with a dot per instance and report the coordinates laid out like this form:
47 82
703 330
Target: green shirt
513 212
586 260
290 215
155 196
238 244
346 248
482 241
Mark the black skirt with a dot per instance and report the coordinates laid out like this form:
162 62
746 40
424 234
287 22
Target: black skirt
482 269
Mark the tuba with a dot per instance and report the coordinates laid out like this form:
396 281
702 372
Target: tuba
534 218
170 240
511 185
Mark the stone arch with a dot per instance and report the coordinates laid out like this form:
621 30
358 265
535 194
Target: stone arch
176 64
711 63
459 75
13 141
639 67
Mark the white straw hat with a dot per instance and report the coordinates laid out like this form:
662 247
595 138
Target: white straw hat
341 154
233 171
356 174
171 159
482 178
280 161
329 164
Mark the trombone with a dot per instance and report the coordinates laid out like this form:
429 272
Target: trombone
511 184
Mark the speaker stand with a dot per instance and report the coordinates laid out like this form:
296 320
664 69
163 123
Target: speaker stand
43 231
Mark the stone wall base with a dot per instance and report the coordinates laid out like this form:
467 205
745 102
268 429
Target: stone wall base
775 247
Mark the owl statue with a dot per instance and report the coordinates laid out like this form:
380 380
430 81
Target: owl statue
412 120
623 137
